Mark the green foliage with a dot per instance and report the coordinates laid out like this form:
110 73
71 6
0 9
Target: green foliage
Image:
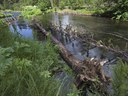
26 67
22 74
117 9
125 16
73 94
5 35
83 11
109 8
93 94
1 15
121 16
62 4
30 11
120 81
4 15
44 5
76 4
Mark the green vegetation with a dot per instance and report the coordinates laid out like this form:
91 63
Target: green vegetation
116 9
120 81
5 34
77 12
27 67
4 15
30 11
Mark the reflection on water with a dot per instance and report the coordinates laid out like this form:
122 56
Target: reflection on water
98 26
57 20
21 26
65 21
74 44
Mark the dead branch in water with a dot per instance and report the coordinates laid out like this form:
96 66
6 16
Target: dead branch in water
116 35
92 42
88 39
87 71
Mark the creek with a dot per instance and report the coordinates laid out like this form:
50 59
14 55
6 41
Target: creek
100 27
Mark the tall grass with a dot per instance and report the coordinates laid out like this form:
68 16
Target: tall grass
120 81
5 36
26 67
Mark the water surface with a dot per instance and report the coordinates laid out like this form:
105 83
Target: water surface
99 27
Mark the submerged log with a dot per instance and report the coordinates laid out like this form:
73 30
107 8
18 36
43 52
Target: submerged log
116 35
92 42
88 39
86 71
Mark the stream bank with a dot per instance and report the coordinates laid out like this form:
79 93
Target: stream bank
64 41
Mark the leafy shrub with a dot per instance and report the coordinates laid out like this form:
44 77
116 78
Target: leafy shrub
45 5
124 16
30 11
121 16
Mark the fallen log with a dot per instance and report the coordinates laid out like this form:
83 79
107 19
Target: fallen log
92 42
116 35
86 72
88 39
74 62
